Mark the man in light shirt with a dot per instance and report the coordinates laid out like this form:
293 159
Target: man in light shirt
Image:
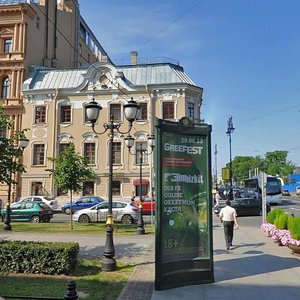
229 219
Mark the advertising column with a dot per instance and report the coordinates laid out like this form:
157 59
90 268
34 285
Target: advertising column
184 204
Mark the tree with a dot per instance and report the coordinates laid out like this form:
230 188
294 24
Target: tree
276 164
10 152
70 171
242 165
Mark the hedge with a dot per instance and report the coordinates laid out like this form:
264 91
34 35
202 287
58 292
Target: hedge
38 257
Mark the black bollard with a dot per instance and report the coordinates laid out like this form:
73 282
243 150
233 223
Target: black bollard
72 293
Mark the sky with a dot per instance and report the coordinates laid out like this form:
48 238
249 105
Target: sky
244 54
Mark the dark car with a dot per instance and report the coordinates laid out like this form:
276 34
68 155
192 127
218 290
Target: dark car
29 211
81 203
248 206
148 205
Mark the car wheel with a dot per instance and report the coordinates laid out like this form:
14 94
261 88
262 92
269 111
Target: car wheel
67 211
127 219
35 219
84 219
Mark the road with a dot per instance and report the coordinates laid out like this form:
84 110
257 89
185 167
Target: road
290 204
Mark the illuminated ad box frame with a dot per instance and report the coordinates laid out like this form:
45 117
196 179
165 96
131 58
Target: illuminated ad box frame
183 250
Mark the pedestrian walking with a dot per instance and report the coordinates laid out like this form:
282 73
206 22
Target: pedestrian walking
217 202
228 217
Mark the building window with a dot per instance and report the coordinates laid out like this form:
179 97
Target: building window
62 147
37 188
168 110
7 46
40 114
138 153
142 114
61 192
65 114
3 133
90 153
115 111
38 154
145 189
117 153
191 110
88 188
5 88
116 188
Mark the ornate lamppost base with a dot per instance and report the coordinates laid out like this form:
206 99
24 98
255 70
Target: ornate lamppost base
140 230
7 227
140 224
108 262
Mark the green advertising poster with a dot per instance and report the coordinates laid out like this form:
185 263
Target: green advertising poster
184 204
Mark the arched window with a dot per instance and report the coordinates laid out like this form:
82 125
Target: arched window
5 88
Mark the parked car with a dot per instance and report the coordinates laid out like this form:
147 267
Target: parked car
49 201
298 190
248 206
81 203
29 211
285 192
148 205
123 212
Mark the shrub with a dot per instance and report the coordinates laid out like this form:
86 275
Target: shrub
281 221
290 223
273 214
296 228
38 257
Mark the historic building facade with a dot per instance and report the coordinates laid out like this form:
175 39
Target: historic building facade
46 33
54 112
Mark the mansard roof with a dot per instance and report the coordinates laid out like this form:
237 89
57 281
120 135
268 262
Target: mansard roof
132 75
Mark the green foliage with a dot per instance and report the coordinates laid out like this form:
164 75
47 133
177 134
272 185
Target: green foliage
274 163
281 221
290 223
9 151
70 170
38 257
273 214
295 230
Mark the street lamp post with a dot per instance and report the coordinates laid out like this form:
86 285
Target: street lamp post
129 143
229 131
92 111
23 143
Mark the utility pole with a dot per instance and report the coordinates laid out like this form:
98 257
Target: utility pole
229 131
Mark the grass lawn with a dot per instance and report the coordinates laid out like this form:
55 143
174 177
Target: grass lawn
92 283
65 228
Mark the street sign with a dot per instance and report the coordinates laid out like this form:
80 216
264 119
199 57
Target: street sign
184 205
225 173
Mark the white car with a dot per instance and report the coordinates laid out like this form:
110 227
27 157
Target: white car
123 212
51 202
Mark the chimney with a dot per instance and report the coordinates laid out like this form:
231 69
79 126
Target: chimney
134 55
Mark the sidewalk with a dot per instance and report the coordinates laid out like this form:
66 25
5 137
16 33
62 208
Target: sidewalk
255 268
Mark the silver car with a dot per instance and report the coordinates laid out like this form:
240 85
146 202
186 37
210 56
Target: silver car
123 212
49 201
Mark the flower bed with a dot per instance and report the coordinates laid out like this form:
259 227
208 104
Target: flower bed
282 229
